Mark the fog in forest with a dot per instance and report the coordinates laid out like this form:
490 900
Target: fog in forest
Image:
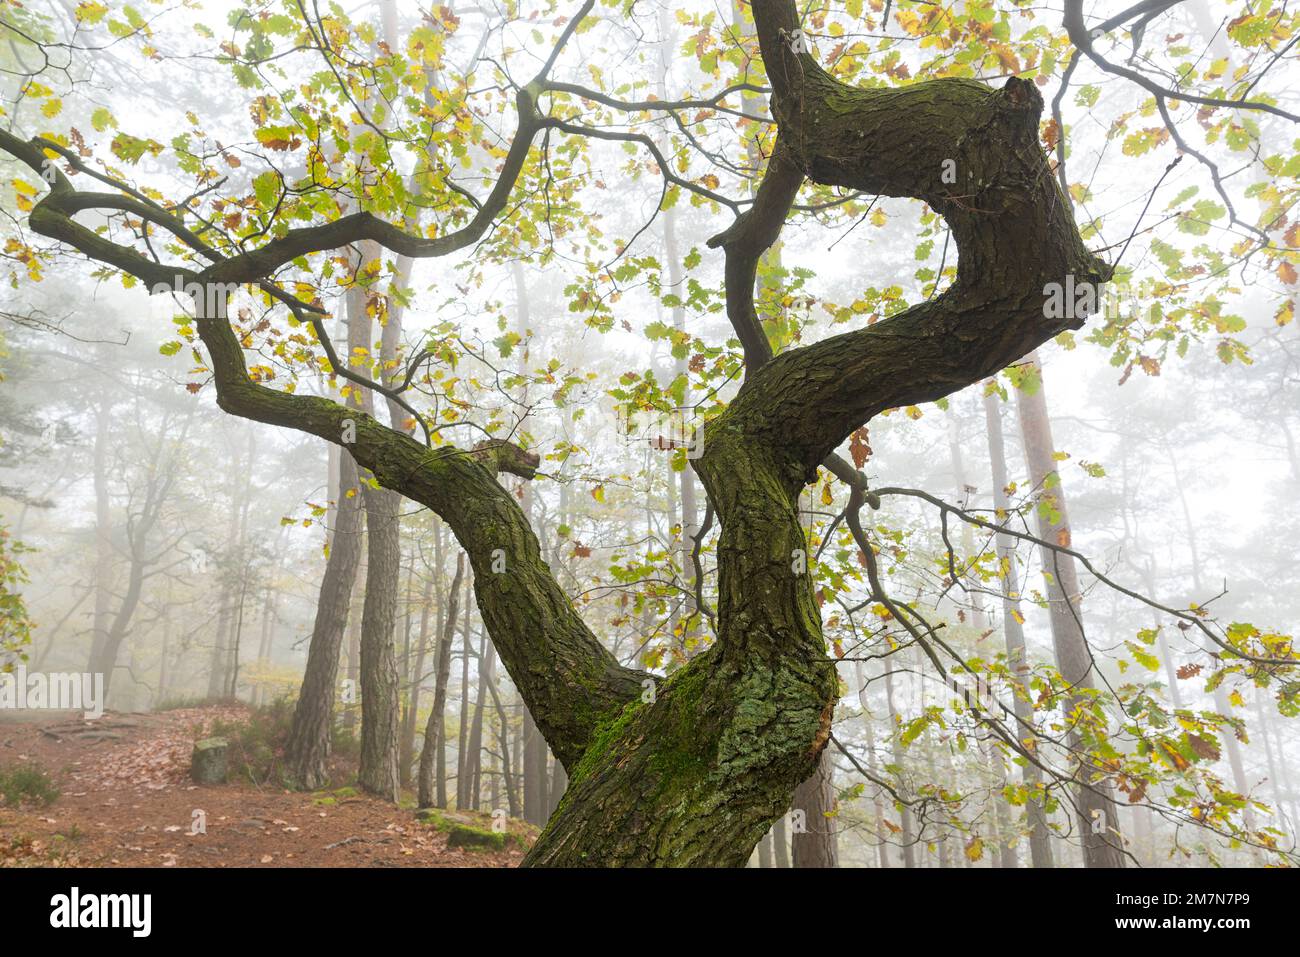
1055 599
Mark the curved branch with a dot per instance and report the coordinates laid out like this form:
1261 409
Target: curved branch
1082 38
570 681
972 154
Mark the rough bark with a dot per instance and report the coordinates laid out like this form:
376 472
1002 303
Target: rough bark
377 670
817 845
378 773
308 749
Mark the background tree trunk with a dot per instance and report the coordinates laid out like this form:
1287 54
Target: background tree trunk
378 773
1040 839
433 754
474 745
308 749
406 752
818 845
1098 816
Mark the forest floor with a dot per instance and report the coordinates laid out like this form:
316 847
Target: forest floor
126 799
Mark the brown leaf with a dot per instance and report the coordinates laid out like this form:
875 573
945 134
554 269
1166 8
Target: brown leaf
1204 747
859 448
1051 133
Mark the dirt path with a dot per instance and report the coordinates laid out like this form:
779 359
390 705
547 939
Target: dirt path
127 800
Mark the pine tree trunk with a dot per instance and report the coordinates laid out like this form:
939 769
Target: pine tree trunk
534 772
104 565
780 843
474 745
462 737
308 750
1098 817
508 779
559 784
406 753
907 835
818 845
433 754
378 774
1040 839
353 651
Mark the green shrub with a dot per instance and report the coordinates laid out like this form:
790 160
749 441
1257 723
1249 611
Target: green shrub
26 784
185 702
257 745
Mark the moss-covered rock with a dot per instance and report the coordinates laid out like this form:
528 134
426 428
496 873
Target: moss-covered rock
463 835
209 763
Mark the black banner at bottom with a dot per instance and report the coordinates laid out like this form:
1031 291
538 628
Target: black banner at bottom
339 907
